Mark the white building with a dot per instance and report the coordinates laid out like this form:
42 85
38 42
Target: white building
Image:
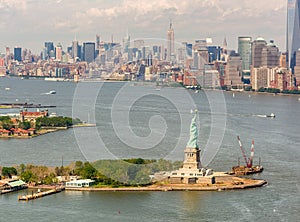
80 183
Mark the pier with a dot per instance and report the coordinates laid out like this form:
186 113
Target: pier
23 105
40 194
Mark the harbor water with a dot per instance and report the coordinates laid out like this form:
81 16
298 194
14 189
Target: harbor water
152 113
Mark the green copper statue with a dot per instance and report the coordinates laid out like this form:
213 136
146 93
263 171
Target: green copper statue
193 142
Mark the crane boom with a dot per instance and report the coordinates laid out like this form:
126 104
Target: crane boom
251 155
243 152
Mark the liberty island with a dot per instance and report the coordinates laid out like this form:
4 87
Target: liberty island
192 176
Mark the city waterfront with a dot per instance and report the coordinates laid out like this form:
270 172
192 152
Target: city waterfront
276 142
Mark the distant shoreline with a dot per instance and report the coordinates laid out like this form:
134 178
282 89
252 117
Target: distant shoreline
46 131
266 93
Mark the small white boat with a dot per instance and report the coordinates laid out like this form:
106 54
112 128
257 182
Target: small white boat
272 115
7 88
51 92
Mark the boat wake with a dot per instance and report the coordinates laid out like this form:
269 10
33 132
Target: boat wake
49 93
272 115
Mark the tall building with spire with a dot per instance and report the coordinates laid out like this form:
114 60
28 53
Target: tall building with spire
170 43
75 49
224 46
98 42
224 55
293 32
126 42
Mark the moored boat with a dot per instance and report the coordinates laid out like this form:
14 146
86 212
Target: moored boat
249 168
243 170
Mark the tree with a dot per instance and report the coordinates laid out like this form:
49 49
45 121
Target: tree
22 167
5 122
62 171
88 171
4 118
142 177
58 171
56 121
25 125
78 167
132 171
28 176
49 179
9 171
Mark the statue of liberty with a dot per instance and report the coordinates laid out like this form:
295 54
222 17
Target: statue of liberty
193 141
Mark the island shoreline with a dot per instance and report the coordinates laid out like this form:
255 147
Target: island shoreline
163 188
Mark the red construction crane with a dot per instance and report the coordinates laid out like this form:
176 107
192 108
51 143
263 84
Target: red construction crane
248 161
252 154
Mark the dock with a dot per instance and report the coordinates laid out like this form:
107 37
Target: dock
9 186
23 105
41 194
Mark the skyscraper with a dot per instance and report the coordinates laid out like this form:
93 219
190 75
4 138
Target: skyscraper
126 43
233 71
297 68
293 32
258 46
244 50
7 54
18 54
264 54
89 51
170 43
98 42
75 50
58 52
50 47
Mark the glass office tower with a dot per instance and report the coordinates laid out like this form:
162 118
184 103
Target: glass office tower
293 32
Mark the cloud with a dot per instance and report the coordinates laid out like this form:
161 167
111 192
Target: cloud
191 18
11 8
197 9
13 5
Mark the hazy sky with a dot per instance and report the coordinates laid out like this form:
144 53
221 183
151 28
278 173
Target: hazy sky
29 23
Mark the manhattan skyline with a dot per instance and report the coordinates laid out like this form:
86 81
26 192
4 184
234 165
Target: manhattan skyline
29 23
